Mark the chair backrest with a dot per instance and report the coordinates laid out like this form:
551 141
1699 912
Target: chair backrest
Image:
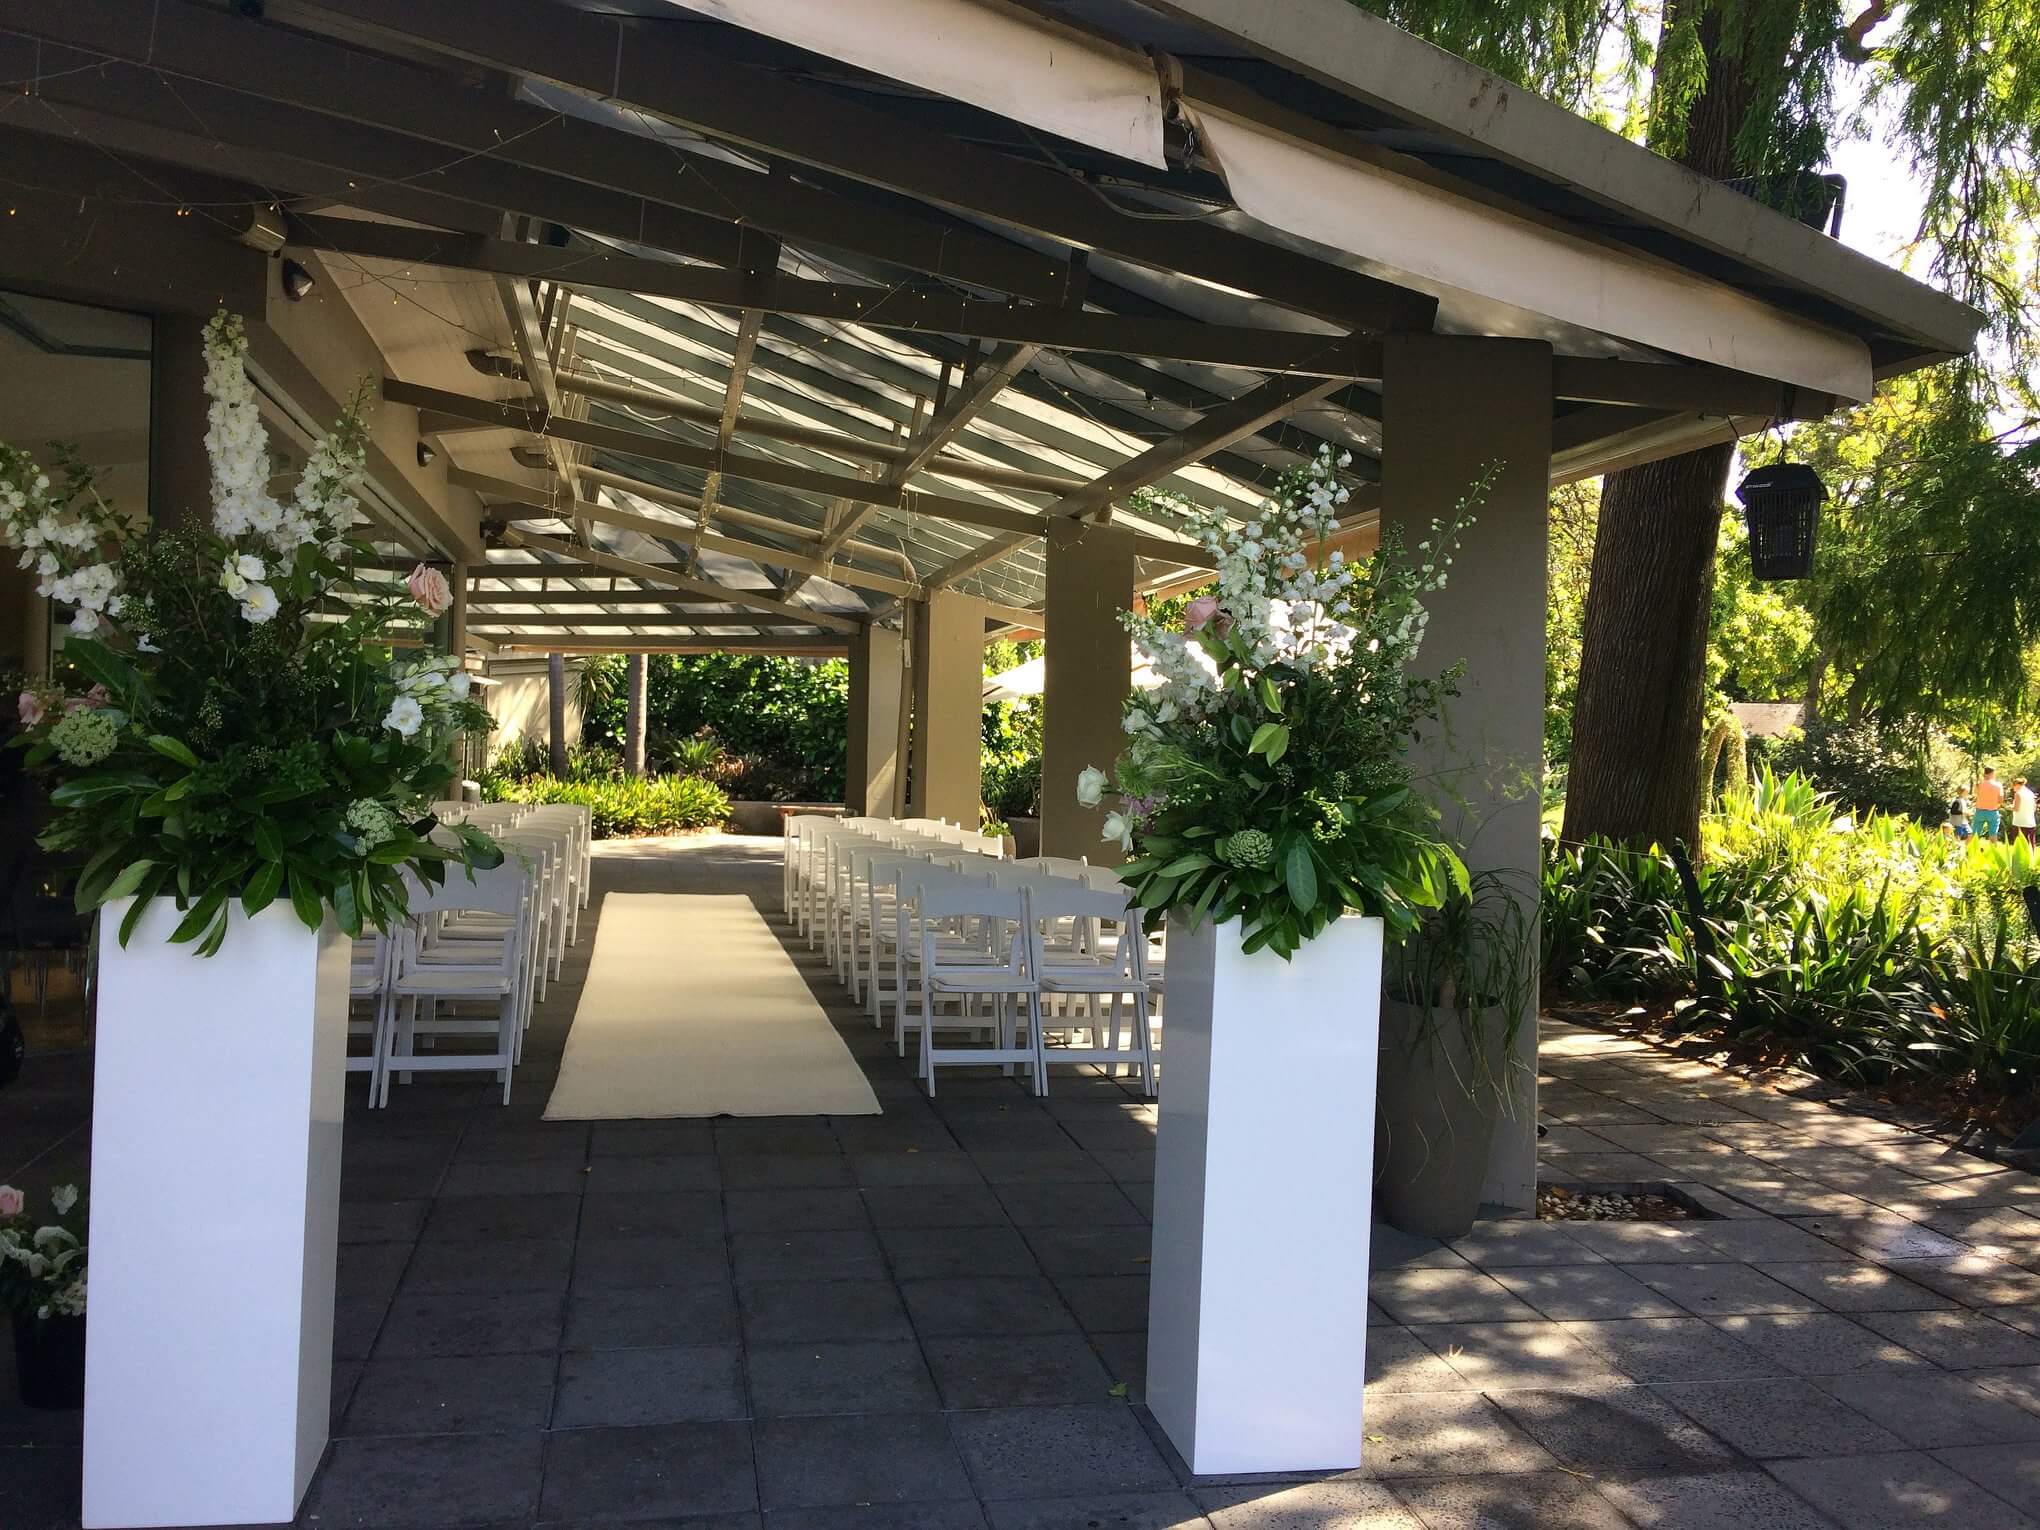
499 890
1059 865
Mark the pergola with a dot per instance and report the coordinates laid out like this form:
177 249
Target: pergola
875 327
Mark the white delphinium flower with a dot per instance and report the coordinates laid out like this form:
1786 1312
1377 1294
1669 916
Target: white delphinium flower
259 604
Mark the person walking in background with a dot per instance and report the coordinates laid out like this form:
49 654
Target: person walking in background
2022 809
1958 815
1989 798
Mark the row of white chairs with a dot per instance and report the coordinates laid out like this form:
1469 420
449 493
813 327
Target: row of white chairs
926 918
476 951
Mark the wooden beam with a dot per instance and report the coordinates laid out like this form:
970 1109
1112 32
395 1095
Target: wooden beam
531 621
512 646
1218 428
655 574
523 416
733 400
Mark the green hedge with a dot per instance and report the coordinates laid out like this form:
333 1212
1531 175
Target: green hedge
654 805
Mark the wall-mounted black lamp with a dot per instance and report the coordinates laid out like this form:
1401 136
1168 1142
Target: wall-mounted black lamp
297 281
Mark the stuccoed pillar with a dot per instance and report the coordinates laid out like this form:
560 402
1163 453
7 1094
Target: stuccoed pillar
949 689
1088 671
180 473
871 751
457 612
1450 407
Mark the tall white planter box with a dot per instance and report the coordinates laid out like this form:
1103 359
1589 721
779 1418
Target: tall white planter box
217 1094
1257 1321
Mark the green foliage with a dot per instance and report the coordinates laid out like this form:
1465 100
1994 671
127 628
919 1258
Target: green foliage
787 719
624 806
1868 768
43 1258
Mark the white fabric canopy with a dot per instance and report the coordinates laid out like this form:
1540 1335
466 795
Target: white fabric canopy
1025 680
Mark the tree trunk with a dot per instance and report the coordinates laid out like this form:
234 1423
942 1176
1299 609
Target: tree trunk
1635 773
1643 644
634 715
556 707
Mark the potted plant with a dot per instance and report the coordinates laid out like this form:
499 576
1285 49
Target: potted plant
42 1285
1459 993
1264 801
248 771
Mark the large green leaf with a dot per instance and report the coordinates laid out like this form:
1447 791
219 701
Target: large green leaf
173 749
263 887
268 840
1300 873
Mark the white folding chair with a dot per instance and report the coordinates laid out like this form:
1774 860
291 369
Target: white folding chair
1004 917
1106 963
493 977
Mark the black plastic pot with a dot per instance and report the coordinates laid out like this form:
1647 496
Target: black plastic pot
49 1361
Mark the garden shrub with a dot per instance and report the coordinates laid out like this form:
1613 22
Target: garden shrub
624 807
1866 770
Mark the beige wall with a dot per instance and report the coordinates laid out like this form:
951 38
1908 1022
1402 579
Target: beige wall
1088 672
519 703
949 685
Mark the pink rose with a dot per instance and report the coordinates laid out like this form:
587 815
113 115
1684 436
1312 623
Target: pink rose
91 701
430 590
31 709
1199 611
11 1201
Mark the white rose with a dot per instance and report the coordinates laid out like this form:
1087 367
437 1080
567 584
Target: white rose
404 716
458 685
249 567
1117 826
84 622
1090 786
258 603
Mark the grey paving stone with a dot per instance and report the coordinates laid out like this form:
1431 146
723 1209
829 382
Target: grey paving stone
887 1170
1125 1357
1399 1361
1610 1168
1670 1349
476 1394
924 1253
1721 1500
1759 1240
470 1217
1059 1452
1612 1428
649 1318
469 1323
872 1458
497 1264
959 1514
1462 1295
1975 1280
1855 1285
356 1322
1532 1501
654 1173
1004 1306
371 1484
1574 1293
1390 1248
1777 1417
828 1254
1069 1165
775 1134
650 1386
1340 1504
370 1269
1521 1244
1933 1410
632 1139
1444 1434
1090 1251
2020 1383
382 1221
813 1311
1497 1356
1708 1290
784 1171
1957 1340
648 1470
935 1206
794 1210
1038 1371
627 1214
876 1376
1816 1343
1644 1242
1080 1205
1884 1237
1128 1166
1107 1303
522 1176
1118 1511
1896 1492
617 1263
2012 1472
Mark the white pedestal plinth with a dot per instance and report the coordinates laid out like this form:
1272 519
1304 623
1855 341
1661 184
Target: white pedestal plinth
1257 1323
218 1088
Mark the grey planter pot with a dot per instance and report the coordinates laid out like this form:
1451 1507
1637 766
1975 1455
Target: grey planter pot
1431 1133
1026 836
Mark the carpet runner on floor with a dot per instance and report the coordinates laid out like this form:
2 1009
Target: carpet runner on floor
693 1008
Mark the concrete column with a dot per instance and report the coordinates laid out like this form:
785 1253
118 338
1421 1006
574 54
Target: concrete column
634 714
180 476
457 613
1450 406
1089 670
949 689
24 623
877 683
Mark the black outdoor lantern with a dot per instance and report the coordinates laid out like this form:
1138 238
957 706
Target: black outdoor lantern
1782 505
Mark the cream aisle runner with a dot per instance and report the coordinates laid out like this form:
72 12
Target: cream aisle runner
693 1008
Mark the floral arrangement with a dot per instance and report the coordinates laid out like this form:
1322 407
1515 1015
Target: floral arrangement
42 1264
1266 778
245 734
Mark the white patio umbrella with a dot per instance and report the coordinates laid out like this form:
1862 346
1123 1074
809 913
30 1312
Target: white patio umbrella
1025 680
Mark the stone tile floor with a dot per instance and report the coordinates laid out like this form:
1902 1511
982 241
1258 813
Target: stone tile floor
933 1318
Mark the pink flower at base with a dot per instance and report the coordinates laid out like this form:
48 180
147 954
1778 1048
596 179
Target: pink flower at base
1199 611
30 708
11 1201
430 590
91 701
